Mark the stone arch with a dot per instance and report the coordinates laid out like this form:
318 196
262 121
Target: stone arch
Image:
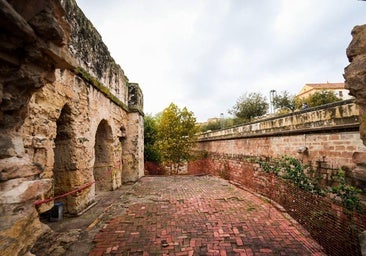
63 167
103 164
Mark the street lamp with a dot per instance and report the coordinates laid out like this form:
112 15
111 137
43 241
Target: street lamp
272 94
222 120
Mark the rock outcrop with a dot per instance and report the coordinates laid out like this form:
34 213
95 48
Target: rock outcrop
355 76
33 43
70 121
355 73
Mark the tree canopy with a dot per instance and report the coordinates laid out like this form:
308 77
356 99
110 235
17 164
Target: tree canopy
319 98
284 102
249 106
175 129
151 153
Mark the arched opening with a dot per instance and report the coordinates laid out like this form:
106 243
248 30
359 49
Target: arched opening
63 154
103 167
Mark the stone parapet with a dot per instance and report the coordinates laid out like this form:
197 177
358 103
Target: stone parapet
342 115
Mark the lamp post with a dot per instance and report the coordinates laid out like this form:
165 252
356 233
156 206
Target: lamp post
221 120
272 94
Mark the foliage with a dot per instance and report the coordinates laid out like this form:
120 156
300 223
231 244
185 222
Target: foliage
249 106
217 125
176 130
347 193
318 98
268 166
211 126
290 168
151 153
284 102
294 171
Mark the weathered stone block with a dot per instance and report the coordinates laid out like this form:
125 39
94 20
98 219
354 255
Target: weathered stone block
21 234
355 75
358 43
15 167
21 190
40 158
40 142
7 148
359 158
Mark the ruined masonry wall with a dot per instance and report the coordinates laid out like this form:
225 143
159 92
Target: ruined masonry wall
91 54
69 118
89 108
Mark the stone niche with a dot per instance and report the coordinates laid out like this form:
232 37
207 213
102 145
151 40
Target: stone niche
70 121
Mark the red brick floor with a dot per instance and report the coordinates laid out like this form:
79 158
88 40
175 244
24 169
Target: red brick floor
189 215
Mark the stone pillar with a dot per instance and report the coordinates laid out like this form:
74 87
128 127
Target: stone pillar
133 143
133 149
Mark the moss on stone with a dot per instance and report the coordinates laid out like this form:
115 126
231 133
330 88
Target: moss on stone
100 87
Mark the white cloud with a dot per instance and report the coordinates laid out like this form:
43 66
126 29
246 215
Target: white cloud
205 54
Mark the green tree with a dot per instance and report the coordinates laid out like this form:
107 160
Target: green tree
217 125
176 131
249 106
284 102
151 153
211 126
318 98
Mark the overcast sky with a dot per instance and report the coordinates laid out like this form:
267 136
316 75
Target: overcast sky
205 54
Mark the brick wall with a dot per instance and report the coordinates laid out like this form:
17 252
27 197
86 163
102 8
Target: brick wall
328 136
334 227
336 147
331 138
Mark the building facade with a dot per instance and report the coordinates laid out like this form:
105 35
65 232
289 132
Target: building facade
337 88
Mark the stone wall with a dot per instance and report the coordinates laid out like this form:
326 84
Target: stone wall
92 54
69 118
355 76
325 219
325 135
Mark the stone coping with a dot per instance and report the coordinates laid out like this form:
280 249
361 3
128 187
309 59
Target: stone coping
341 116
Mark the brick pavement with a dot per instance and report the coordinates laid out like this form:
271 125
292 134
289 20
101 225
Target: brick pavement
190 215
